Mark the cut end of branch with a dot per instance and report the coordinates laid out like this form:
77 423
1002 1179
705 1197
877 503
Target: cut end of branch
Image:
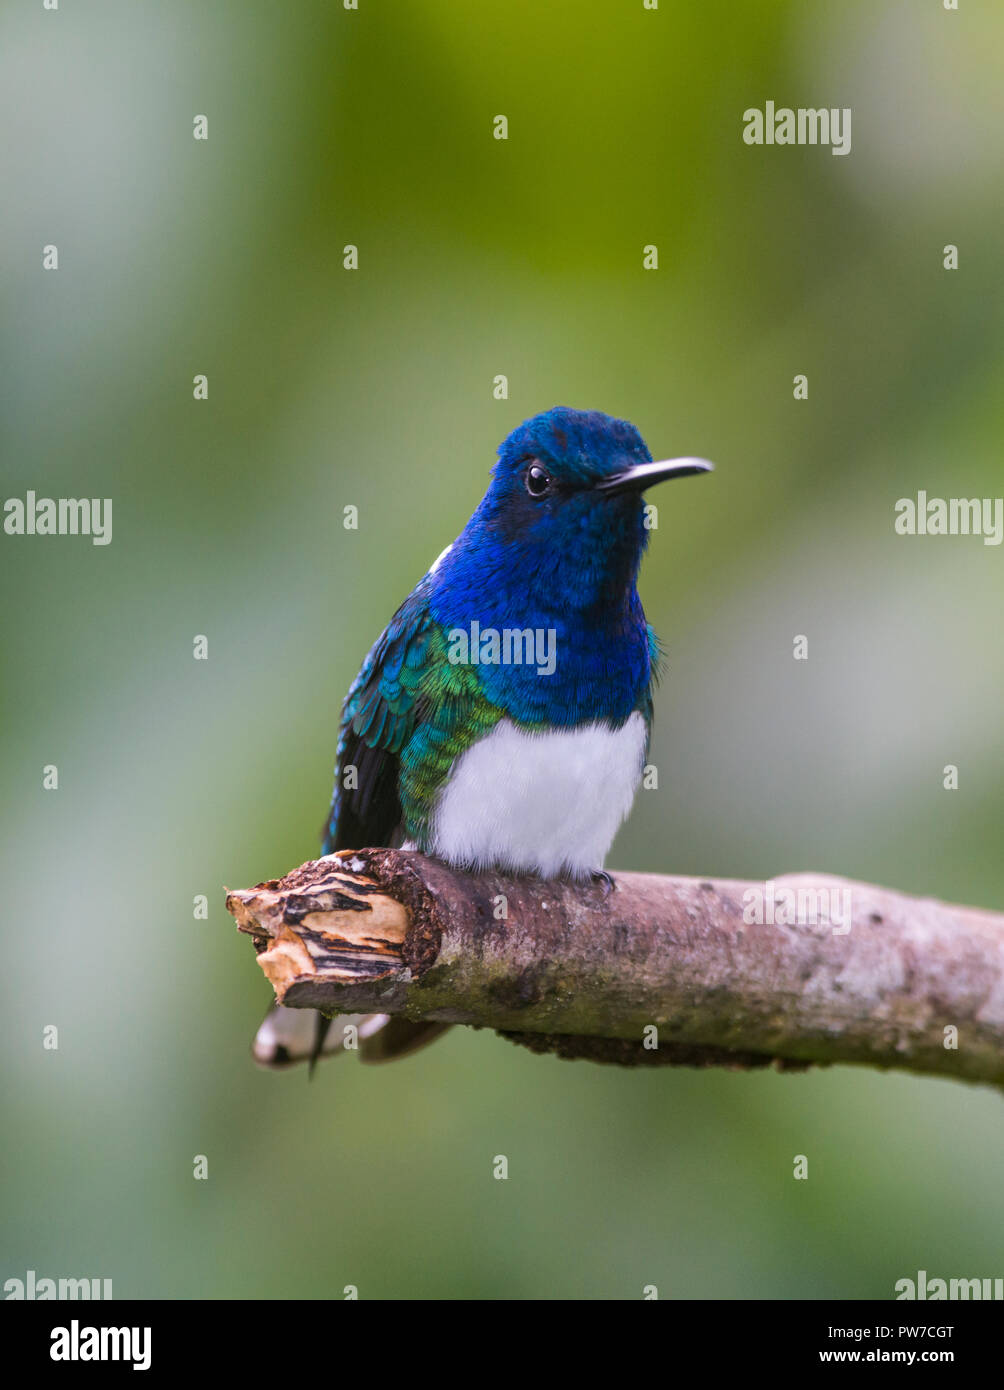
327 918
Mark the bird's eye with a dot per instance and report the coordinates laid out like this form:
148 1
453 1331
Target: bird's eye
537 479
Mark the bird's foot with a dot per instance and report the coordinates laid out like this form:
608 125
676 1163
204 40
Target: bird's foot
601 876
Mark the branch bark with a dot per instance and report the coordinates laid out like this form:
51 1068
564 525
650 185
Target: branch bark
585 971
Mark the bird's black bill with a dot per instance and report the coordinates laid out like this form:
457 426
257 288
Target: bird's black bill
645 475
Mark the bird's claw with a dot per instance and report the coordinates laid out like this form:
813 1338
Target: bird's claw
601 876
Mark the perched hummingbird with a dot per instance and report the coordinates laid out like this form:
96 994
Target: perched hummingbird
502 719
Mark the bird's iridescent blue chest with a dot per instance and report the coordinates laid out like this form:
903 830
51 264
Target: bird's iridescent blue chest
582 623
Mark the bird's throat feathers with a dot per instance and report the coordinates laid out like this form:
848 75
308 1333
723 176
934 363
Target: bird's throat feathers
585 560
572 585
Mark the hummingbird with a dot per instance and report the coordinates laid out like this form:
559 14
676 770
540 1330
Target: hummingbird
502 719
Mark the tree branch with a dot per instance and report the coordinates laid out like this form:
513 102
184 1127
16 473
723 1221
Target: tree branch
586 970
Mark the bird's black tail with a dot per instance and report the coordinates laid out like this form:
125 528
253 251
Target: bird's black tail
289 1036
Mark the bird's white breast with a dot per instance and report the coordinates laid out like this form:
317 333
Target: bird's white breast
545 803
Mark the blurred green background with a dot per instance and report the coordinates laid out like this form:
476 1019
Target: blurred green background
329 387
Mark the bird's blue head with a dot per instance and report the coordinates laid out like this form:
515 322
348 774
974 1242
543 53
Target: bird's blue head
555 546
565 502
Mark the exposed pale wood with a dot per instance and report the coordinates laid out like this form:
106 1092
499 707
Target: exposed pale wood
323 922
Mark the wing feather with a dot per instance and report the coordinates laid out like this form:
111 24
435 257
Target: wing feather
378 718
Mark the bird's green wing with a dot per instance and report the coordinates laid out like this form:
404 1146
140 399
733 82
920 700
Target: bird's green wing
378 717
655 657
408 714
